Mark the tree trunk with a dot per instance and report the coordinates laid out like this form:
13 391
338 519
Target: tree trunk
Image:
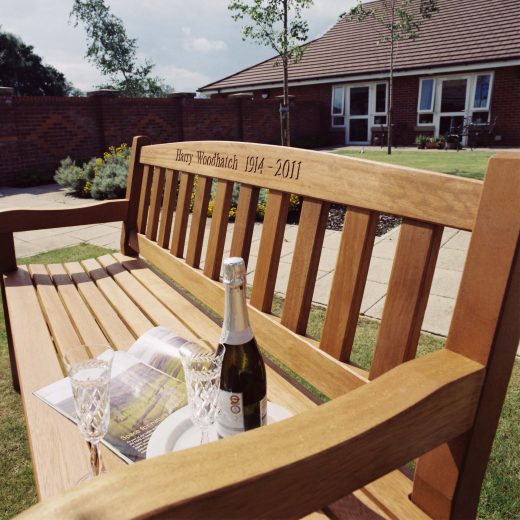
286 135
391 84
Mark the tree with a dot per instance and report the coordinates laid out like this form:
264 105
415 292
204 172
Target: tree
399 20
114 53
272 27
23 70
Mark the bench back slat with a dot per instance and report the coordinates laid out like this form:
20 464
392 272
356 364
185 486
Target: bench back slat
182 212
156 198
304 268
269 250
348 285
144 199
408 291
198 221
245 221
168 207
217 234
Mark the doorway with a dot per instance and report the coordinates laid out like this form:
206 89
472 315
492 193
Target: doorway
358 103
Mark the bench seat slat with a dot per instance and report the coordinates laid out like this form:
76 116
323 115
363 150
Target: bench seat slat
66 339
147 303
131 315
54 440
85 324
109 321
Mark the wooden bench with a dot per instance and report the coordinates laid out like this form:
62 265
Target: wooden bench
442 408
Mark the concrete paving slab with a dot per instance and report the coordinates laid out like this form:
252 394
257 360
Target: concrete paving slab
446 283
379 270
460 240
93 232
452 259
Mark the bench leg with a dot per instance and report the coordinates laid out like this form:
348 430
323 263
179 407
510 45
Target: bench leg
10 346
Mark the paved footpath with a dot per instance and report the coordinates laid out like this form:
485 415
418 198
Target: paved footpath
445 284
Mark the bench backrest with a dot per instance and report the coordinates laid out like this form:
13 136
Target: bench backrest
485 323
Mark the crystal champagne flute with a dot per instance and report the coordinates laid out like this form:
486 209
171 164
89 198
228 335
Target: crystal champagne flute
90 381
202 376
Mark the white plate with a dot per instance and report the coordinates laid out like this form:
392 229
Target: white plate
177 432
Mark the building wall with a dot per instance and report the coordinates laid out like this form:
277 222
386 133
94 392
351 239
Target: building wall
37 132
505 106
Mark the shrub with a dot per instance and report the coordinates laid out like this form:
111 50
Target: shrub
100 178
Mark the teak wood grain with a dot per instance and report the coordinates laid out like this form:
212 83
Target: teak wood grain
442 408
269 251
348 285
407 296
180 224
217 232
198 221
144 198
304 268
168 206
443 386
155 203
443 199
244 222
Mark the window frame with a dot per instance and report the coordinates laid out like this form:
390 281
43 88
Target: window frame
342 114
473 108
431 110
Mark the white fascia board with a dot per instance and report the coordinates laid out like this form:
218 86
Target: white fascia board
374 76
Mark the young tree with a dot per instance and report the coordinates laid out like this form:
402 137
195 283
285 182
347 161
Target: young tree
399 20
23 70
273 26
114 53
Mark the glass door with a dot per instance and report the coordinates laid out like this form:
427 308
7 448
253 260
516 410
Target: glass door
453 103
358 115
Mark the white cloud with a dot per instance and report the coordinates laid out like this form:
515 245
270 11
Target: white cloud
183 80
203 45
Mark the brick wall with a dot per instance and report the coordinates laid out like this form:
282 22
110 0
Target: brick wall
505 105
37 132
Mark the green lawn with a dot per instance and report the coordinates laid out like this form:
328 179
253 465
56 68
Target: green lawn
464 163
500 497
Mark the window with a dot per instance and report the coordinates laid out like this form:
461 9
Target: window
453 97
380 108
338 96
426 101
426 95
482 88
338 106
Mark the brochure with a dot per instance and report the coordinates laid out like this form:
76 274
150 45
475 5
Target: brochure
147 385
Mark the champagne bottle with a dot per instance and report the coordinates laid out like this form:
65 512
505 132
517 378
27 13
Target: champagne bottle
242 397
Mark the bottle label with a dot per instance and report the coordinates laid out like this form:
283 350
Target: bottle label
231 413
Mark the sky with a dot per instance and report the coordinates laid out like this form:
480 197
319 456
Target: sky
191 42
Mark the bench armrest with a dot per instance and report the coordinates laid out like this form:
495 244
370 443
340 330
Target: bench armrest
299 465
13 220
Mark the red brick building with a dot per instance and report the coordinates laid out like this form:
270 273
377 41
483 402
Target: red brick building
464 66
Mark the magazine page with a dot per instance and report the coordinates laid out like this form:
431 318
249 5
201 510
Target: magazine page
160 348
141 397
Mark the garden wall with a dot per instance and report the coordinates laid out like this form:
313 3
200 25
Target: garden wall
37 132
